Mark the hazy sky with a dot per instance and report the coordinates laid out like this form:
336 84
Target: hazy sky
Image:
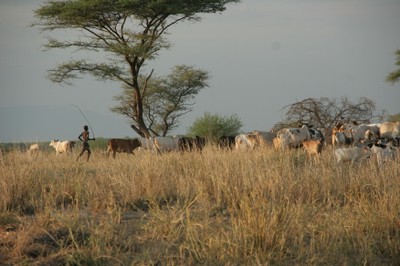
261 55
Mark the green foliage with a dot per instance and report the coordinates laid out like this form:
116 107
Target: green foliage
215 126
394 76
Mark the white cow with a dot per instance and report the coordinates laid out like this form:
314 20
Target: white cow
353 154
384 155
146 144
62 146
34 149
254 139
245 141
358 132
265 137
293 137
389 130
166 144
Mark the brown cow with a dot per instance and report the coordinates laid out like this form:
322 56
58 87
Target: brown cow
313 147
122 145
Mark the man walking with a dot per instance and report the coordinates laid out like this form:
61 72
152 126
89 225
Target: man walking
84 137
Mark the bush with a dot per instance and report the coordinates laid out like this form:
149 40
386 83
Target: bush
215 126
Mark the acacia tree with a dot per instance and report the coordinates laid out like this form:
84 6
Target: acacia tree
394 76
167 99
327 112
129 32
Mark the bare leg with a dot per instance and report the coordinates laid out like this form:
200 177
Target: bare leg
88 155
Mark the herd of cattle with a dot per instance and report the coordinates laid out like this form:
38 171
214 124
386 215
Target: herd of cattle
350 142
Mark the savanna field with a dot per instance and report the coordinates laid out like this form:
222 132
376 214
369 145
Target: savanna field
261 207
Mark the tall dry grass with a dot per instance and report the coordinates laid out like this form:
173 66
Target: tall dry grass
215 208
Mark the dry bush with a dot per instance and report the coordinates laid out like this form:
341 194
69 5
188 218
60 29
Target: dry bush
215 207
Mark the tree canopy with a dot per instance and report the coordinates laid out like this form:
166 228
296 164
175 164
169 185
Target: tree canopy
129 32
394 76
326 112
167 98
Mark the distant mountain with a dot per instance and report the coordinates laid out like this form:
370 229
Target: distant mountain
44 123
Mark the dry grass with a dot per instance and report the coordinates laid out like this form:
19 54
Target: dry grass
215 208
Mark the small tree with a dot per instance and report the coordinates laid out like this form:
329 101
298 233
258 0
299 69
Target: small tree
394 76
215 126
326 112
166 99
128 32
